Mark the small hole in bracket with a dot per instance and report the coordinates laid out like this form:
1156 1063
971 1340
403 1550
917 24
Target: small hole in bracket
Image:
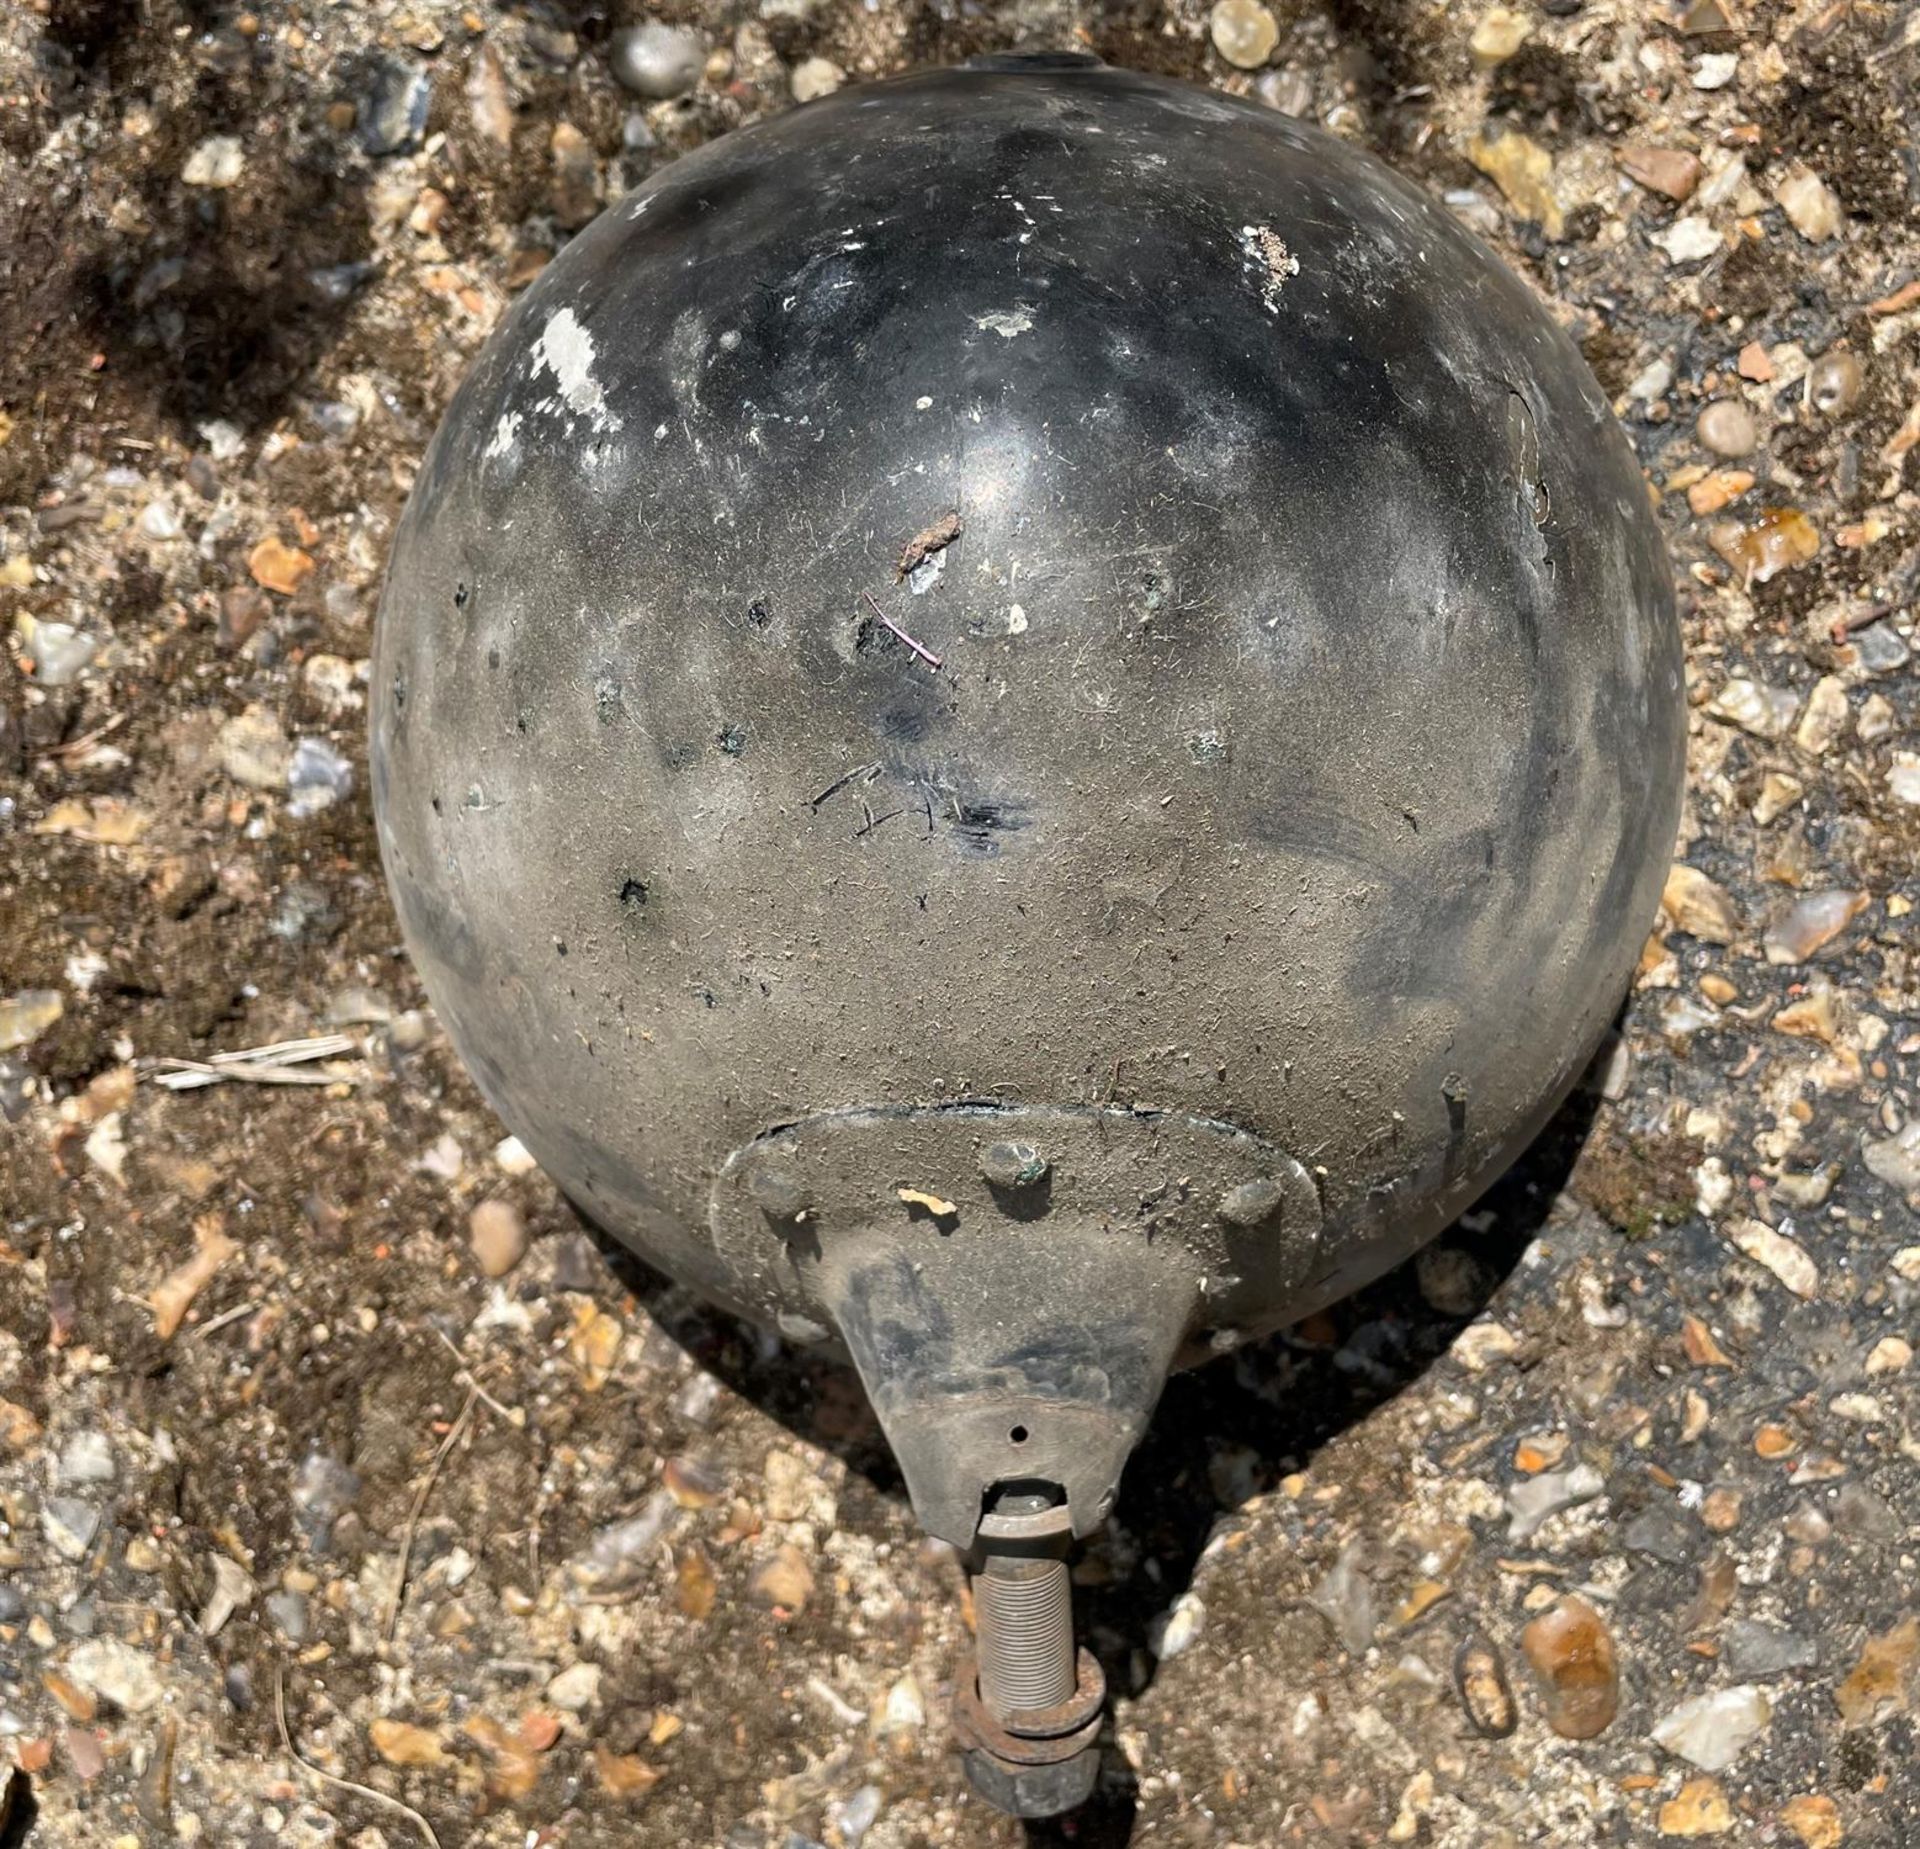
1018 1435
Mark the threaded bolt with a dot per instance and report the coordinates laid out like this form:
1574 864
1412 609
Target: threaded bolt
1023 1610
1023 1606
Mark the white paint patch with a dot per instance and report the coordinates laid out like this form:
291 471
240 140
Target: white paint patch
565 349
923 404
1016 621
1008 323
504 433
1269 261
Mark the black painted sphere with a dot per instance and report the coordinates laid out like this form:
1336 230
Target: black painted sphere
1304 747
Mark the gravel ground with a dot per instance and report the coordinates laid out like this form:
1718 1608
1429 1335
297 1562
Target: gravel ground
352 1492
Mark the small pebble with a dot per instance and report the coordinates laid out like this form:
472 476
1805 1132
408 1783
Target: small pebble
252 749
1345 1599
1689 240
1754 707
575 1689
1727 428
84 1753
1812 922
855 1816
1784 1257
1815 1819
658 61
1896 1159
1532 1503
619 1557
1834 381
1288 92
1500 33
1698 1808
87 1458
1825 717
782 1580
118 1673
1572 1656
489 103
1480 1676
1452 1281
1660 1532
1669 171
1809 204
1750 1648
905 1711
233 1589
574 195
1714 1729
1244 32
317 777
1878 649
497 1232
218 162
393 114
289 1611
59 653
69 1525
693 1482
814 78
1178 1628
28 1015
324 1489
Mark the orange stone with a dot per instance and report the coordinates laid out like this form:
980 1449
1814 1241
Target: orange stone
622 1774
279 568
539 1729
1720 1512
696 1585
1702 1349
1698 1808
1571 1653
1878 1682
1815 1820
1532 1455
1773 1441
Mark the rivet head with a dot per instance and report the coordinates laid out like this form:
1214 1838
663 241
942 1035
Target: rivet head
1013 1165
1252 1203
778 1193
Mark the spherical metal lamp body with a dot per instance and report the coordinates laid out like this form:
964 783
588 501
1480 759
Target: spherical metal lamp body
1026 686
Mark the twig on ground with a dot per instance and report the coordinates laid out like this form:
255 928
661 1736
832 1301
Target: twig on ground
926 654
331 1778
840 783
278 1064
454 1434
224 1318
515 1416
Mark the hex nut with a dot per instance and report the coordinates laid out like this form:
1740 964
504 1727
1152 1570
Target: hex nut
1033 1791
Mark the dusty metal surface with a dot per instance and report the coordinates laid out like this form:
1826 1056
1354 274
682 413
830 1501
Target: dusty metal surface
1294 785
